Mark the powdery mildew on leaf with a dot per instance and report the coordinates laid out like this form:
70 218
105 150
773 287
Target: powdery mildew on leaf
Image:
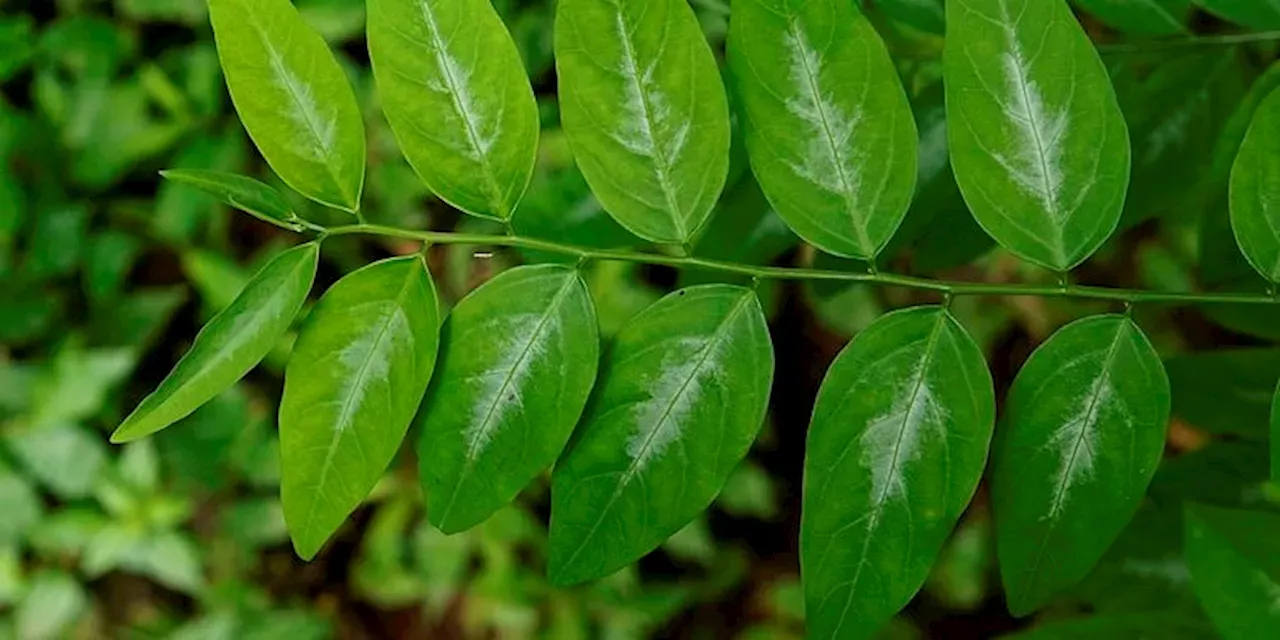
899 431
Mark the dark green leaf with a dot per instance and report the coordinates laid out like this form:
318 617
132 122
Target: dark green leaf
456 94
683 394
240 192
645 111
1120 626
231 344
829 129
1275 438
1084 431
357 376
896 449
1141 17
1226 391
1254 14
1224 473
1038 143
928 16
517 362
293 98
1234 557
1255 187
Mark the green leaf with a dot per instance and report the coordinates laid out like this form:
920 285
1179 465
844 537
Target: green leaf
1234 558
645 111
20 504
54 601
67 459
1141 17
1120 626
1225 391
1255 187
1275 438
682 396
897 446
1084 431
456 94
231 344
240 192
829 130
1038 143
1254 14
357 375
293 98
928 16
517 362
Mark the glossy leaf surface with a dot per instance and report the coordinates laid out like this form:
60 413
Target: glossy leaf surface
231 344
1083 433
1038 143
1254 14
645 111
518 360
897 446
683 393
240 192
356 377
293 98
456 94
1234 558
1255 191
1141 17
830 133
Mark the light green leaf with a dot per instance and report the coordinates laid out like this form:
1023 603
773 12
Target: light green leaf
66 458
1254 14
231 344
456 94
1084 431
357 376
1141 17
293 98
1234 558
683 394
897 446
1038 143
645 111
829 130
20 504
240 192
517 362
1255 189
54 601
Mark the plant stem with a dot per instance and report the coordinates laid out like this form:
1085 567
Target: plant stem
946 288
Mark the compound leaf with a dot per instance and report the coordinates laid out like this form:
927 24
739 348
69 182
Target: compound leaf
356 377
897 446
1084 431
293 98
1038 142
683 394
517 361
233 342
645 112
457 96
830 132
1255 191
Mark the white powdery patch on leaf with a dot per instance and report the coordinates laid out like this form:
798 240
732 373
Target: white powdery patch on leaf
1076 444
675 392
893 439
501 385
370 359
830 128
1037 165
457 83
309 115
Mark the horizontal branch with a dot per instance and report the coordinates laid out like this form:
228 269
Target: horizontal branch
943 287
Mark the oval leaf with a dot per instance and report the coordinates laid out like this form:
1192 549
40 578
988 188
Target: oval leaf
517 362
457 96
1255 188
1084 430
356 377
1141 17
1234 559
233 342
293 98
830 133
683 394
240 192
1254 14
897 446
645 112
1038 143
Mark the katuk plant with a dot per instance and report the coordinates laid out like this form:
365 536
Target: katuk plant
643 437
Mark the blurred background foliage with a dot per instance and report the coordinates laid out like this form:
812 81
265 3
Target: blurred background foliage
106 274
